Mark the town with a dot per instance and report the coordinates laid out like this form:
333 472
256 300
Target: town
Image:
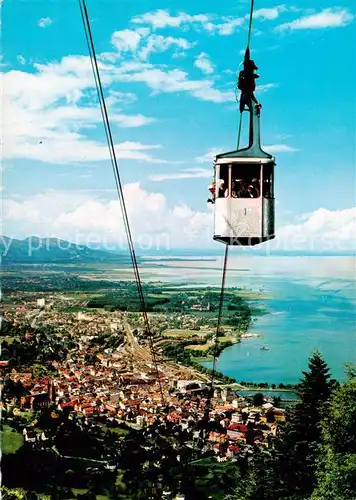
67 369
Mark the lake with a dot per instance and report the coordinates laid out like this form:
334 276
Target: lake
311 303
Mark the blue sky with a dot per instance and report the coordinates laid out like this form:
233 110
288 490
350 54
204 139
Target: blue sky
169 70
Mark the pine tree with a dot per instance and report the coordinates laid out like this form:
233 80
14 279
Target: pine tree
287 469
315 388
297 445
337 465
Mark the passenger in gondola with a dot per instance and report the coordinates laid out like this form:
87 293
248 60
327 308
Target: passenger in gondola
254 189
222 192
240 189
212 191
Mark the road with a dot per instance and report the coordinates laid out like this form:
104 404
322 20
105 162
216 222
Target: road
37 315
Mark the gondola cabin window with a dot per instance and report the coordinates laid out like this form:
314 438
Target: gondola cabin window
222 181
246 181
267 185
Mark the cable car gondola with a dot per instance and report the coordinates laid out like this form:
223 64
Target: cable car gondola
244 199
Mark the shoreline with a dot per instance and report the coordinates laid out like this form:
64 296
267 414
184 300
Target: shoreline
251 299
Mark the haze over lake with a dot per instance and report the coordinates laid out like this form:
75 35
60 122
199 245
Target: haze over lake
311 303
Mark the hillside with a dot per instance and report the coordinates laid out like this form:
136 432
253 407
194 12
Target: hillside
53 250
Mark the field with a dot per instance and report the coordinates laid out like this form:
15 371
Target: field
9 340
202 348
183 316
183 334
10 441
117 430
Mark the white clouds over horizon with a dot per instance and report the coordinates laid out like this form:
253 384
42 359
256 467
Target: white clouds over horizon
80 217
322 229
169 85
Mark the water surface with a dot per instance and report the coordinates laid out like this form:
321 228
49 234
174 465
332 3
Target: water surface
311 303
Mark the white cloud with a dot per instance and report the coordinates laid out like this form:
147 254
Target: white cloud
175 80
46 113
267 86
140 43
82 218
73 148
130 121
204 63
47 110
225 25
126 40
159 43
279 148
189 173
269 13
209 156
163 19
328 18
321 230
122 98
21 59
229 26
44 22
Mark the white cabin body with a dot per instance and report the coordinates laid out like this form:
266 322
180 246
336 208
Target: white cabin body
244 203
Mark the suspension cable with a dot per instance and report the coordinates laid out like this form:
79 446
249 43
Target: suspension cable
221 306
216 340
250 24
247 51
109 138
239 132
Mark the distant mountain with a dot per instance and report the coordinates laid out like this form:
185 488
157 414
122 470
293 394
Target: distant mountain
53 250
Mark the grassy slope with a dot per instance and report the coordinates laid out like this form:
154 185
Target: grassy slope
10 441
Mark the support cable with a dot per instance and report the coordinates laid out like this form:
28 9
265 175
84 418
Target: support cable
239 132
222 291
221 306
250 23
216 342
109 138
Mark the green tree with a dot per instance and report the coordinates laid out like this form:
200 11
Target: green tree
287 469
297 446
11 494
337 466
258 399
